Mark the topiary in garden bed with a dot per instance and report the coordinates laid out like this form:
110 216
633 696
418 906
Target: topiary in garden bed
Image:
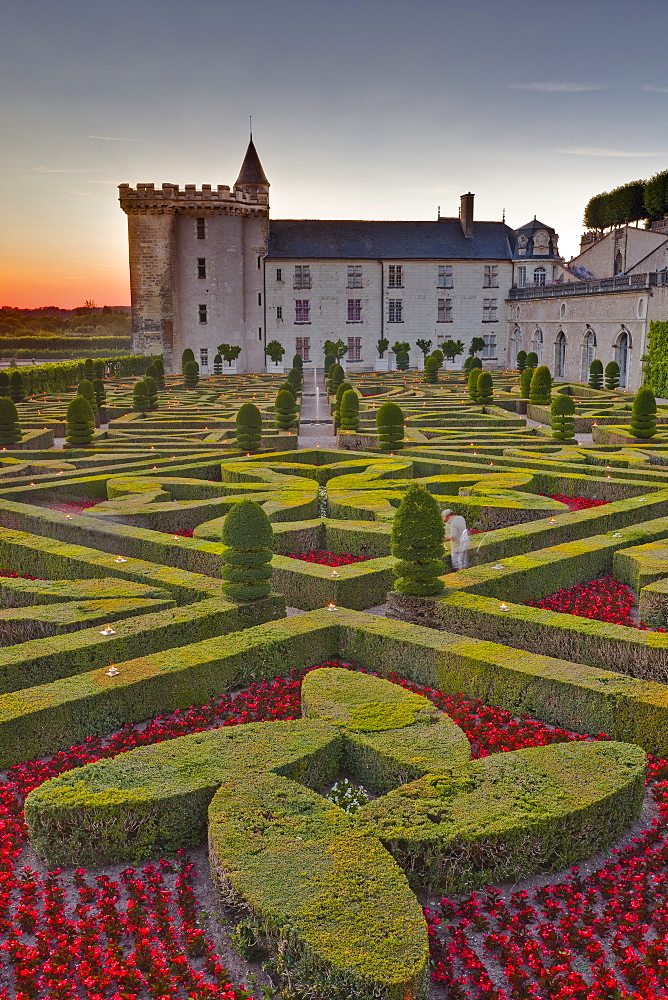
335 379
431 367
390 426
417 542
17 389
350 411
525 382
562 413
297 362
596 374
611 375
86 390
100 393
249 427
532 360
4 383
248 540
484 389
80 423
186 358
140 397
285 410
540 392
191 374
643 418
521 361
472 382
402 361
344 387
152 387
10 429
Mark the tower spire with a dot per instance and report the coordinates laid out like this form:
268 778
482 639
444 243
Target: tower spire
251 174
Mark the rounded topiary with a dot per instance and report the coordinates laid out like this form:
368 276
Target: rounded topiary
17 389
249 427
186 358
521 361
484 388
350 411
295 377
99 370
298 362
86 389
390 426
525 382
10 428
190 374
80 423
440 357
152 387
431 367
248 539
4 383
285 410
643 416
153 372
540 392
472 383
289 387
100 393
218 364
329 361
562 412
344 387
417 542
336 378
532 360
402 361
611 375
140 397
89 369
596 374
158 363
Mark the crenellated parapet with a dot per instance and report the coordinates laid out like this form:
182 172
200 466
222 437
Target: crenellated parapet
147 199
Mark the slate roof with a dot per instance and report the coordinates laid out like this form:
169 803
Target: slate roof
352 240
534 226
251 169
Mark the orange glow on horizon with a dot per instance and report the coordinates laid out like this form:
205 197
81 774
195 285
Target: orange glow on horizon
51 282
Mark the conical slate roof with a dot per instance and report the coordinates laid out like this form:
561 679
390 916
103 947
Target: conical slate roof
251 169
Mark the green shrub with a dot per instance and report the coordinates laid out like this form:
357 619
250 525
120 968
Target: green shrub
329 361
474 375
190 374
344 387
562 413
99 369
288 387
285 410
86 390
140 397
611 375
17 389
532 359
417 542
100 393
89 369
431 367
80 423
153 371
541 385
596 374
248 540
390 426
643 418
10 429
484 389
186 358
350 411
152 387
297 362
440 357
249 427
158 364
521 361
402 361
4 383
336 378
525 382
296 378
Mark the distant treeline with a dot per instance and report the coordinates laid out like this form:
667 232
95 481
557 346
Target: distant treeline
86 321
629 203
50 346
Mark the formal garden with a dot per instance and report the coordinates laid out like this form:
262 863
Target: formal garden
258 739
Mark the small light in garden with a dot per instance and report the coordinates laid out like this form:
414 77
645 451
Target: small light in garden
68 517
334 573
175 537
108 630
499 566
120 559
31 484
112 672
642 498
617 534
331 607
503 607
553 520
60 472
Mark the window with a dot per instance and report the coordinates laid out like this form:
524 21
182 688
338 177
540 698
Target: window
395 311
396 276
201 267
201 229
354 310
279 274
521 277
302 311
302 276
444 276
303 348
354 275
259 263
259 298
489 311
489 350
354 349
539 276
491 276
202 314
444 311
259 333
204 357
279 312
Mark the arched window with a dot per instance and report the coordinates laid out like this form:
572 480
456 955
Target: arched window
560 355
539 276
588 353
537 344
515 345
619 263
623 346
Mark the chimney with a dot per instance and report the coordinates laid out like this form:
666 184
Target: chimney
466 215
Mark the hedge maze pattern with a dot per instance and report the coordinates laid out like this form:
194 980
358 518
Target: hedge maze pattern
113 613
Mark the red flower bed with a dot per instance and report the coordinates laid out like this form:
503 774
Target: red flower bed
576 503
324 558
598 936
181 532
13 575
74 506
604 600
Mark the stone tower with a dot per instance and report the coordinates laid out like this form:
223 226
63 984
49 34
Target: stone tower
196 267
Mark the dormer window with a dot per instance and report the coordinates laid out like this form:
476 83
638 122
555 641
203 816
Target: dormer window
541 243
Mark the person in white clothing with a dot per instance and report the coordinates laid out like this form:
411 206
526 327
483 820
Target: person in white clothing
457 534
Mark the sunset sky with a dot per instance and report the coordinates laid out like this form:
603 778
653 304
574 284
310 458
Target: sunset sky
369 109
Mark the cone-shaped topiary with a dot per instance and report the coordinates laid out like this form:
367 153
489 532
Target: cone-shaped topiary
249 427
285 410
611 375
350 411
10 429
532 360
295 376
402 361
643 416
218 364
140 397
541 386
152 387
344 387
80 423
297 362
336 378
86 389
289 387
4 383
190 374
440 357
89 369
17 389
525 382
596 374
100 393
430 370
417 542
390 426
474 375
521 361
99 369
153 372
160 366
329 361
186 357
248 540
484 389
562 413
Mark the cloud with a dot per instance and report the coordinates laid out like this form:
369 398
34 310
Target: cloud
596 151
655 90
114 138
558 86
